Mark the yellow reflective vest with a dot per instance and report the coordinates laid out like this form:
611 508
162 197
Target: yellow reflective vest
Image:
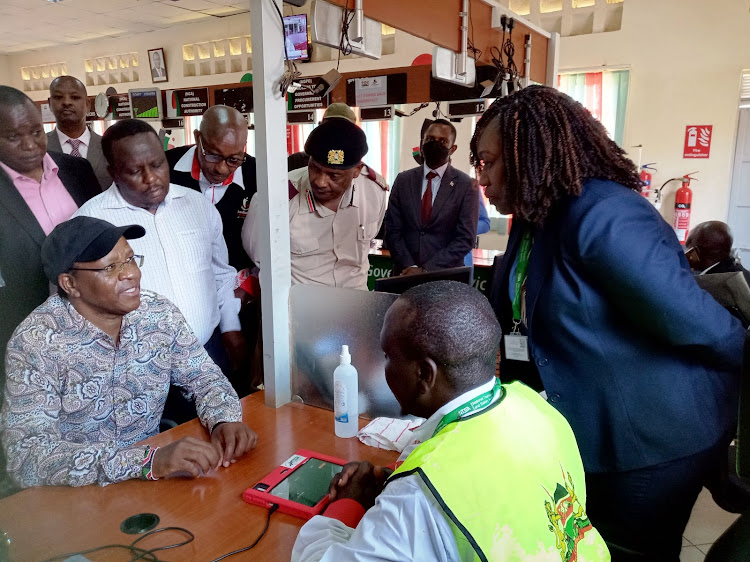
510 479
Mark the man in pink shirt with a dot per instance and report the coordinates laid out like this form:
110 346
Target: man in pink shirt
38 190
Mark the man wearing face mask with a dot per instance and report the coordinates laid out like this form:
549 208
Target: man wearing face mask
432 214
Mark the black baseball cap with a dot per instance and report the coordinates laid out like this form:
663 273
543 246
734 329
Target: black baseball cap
82 239
337 143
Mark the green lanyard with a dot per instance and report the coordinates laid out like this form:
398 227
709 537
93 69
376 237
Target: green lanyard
478 403
521 270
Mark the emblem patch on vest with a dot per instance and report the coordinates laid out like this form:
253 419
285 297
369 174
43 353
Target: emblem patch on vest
567 517
336 157
242 211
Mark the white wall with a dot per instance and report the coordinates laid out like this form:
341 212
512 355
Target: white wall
5 73
685 58
172 40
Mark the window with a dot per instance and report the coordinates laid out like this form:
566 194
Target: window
604 94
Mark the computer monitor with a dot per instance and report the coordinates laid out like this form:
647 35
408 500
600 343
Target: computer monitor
398 285
295 34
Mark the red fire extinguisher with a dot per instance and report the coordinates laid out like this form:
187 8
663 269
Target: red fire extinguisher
646 178
682 201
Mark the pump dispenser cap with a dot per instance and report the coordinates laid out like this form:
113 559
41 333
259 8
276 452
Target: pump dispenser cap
346 359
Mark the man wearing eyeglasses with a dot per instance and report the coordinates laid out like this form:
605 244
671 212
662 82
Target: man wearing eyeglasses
97 360
184 237
217 166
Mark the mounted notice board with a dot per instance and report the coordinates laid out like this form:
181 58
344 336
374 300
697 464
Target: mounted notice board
238 96
395 88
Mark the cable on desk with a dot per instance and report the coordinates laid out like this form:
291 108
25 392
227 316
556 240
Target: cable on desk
274 507
141 553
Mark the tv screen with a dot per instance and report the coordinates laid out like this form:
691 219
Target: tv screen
295 32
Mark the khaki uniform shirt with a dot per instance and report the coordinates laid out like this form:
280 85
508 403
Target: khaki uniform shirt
327 247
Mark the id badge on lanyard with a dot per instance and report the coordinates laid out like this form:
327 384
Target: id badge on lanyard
516 344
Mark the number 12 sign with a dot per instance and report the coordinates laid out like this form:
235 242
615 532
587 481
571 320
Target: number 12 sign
698 141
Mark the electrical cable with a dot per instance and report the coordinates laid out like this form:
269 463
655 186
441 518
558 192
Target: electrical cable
476 53
140 552
271 511
345 45
510 50
290 73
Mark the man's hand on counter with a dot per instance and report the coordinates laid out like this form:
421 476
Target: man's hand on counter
412 271
233 439
185 456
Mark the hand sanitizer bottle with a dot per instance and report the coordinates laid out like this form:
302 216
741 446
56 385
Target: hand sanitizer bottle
345 396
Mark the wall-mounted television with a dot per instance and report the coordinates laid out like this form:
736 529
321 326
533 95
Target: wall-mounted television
295 34
146 103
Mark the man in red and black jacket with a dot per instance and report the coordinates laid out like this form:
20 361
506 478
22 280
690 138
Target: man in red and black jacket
217 166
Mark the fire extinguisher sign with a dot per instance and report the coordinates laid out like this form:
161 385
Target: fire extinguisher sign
698 141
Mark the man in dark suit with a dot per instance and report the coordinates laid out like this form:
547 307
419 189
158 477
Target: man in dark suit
69 105
38 190
432 215
218 167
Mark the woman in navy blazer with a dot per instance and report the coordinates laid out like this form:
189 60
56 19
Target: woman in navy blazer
642 362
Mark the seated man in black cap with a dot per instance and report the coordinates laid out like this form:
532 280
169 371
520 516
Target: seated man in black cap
332 218
89 370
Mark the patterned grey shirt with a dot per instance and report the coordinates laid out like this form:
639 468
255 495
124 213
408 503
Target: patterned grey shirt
75 403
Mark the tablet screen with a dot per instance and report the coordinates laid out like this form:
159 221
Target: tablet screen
308 484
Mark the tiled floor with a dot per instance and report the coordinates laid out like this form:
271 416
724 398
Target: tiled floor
707 522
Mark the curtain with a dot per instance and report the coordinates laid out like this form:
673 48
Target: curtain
604 94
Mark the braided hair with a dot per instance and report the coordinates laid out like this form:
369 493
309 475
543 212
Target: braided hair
550 145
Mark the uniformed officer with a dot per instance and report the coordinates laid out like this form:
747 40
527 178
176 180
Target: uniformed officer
332 217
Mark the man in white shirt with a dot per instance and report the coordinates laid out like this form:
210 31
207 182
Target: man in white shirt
69 105
495 473
332 216
187 256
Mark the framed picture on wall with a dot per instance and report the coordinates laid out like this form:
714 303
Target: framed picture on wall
158 65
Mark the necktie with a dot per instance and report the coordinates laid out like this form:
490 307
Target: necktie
75 143
427 197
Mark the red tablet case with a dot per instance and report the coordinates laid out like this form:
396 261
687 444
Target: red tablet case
262 498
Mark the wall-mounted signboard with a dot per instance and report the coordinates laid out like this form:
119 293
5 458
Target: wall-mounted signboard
182 103
304 99
120 106
240 97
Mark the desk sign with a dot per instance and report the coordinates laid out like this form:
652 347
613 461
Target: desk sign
300 117
304 99
120 105
380 113
466 108
182 103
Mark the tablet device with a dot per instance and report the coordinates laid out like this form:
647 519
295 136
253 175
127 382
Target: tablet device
299 486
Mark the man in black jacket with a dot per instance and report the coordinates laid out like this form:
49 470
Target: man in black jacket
38 190
709 249
217 166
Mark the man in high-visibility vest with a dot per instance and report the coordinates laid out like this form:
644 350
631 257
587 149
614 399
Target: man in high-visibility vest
496 473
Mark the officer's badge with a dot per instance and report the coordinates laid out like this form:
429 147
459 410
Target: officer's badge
336 157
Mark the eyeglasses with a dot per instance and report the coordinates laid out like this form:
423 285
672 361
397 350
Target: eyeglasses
232 161
114 268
